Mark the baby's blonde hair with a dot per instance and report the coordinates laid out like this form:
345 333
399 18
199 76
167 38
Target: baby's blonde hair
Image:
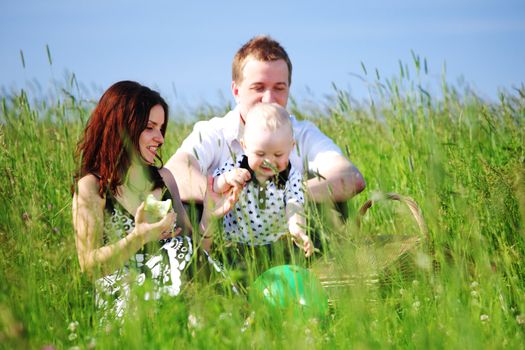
270 116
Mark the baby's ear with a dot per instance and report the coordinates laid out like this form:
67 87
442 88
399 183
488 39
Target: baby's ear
242 143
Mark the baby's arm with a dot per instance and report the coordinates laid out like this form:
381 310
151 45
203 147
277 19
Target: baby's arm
296 226
235 177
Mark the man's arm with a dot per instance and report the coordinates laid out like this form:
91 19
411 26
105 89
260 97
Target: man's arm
192 183
337 179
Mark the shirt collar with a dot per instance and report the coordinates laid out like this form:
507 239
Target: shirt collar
233 125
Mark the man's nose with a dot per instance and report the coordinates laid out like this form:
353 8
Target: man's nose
268 96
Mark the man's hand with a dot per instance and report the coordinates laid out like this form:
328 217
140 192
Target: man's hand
216 205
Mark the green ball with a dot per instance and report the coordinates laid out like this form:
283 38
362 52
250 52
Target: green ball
291 287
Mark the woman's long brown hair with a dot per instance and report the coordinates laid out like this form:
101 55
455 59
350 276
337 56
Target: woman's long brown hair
113 130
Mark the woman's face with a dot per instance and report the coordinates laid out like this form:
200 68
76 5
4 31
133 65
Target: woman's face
151 138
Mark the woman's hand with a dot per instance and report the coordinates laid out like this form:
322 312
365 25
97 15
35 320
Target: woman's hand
155 231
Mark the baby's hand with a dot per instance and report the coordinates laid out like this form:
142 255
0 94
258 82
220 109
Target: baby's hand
237 177
303 241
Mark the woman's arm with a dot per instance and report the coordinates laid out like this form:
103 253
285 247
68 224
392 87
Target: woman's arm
88 220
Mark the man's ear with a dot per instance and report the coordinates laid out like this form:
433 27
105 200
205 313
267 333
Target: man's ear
235 91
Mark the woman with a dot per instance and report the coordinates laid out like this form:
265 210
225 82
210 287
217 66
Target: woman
117 157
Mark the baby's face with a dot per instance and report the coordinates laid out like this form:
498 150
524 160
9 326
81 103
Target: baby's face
268 151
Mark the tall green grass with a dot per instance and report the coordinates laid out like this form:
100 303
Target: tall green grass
460 157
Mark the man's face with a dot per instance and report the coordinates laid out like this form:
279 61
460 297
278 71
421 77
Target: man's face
263 81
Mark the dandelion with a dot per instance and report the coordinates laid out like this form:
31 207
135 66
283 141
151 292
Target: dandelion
194 323
423 261
308 336
73 326
225 316
92 343
108 329
313 321
520 319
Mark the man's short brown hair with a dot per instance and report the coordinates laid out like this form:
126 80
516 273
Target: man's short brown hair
262 48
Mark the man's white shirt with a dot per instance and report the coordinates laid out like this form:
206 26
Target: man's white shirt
214 141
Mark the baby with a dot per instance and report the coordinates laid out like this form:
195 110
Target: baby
271 202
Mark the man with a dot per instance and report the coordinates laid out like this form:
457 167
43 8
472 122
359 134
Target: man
262 72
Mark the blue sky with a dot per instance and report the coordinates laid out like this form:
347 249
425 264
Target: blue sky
185 48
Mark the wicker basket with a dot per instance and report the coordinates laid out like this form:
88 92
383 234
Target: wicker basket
377 255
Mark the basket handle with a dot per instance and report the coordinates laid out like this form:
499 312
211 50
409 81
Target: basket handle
412 205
